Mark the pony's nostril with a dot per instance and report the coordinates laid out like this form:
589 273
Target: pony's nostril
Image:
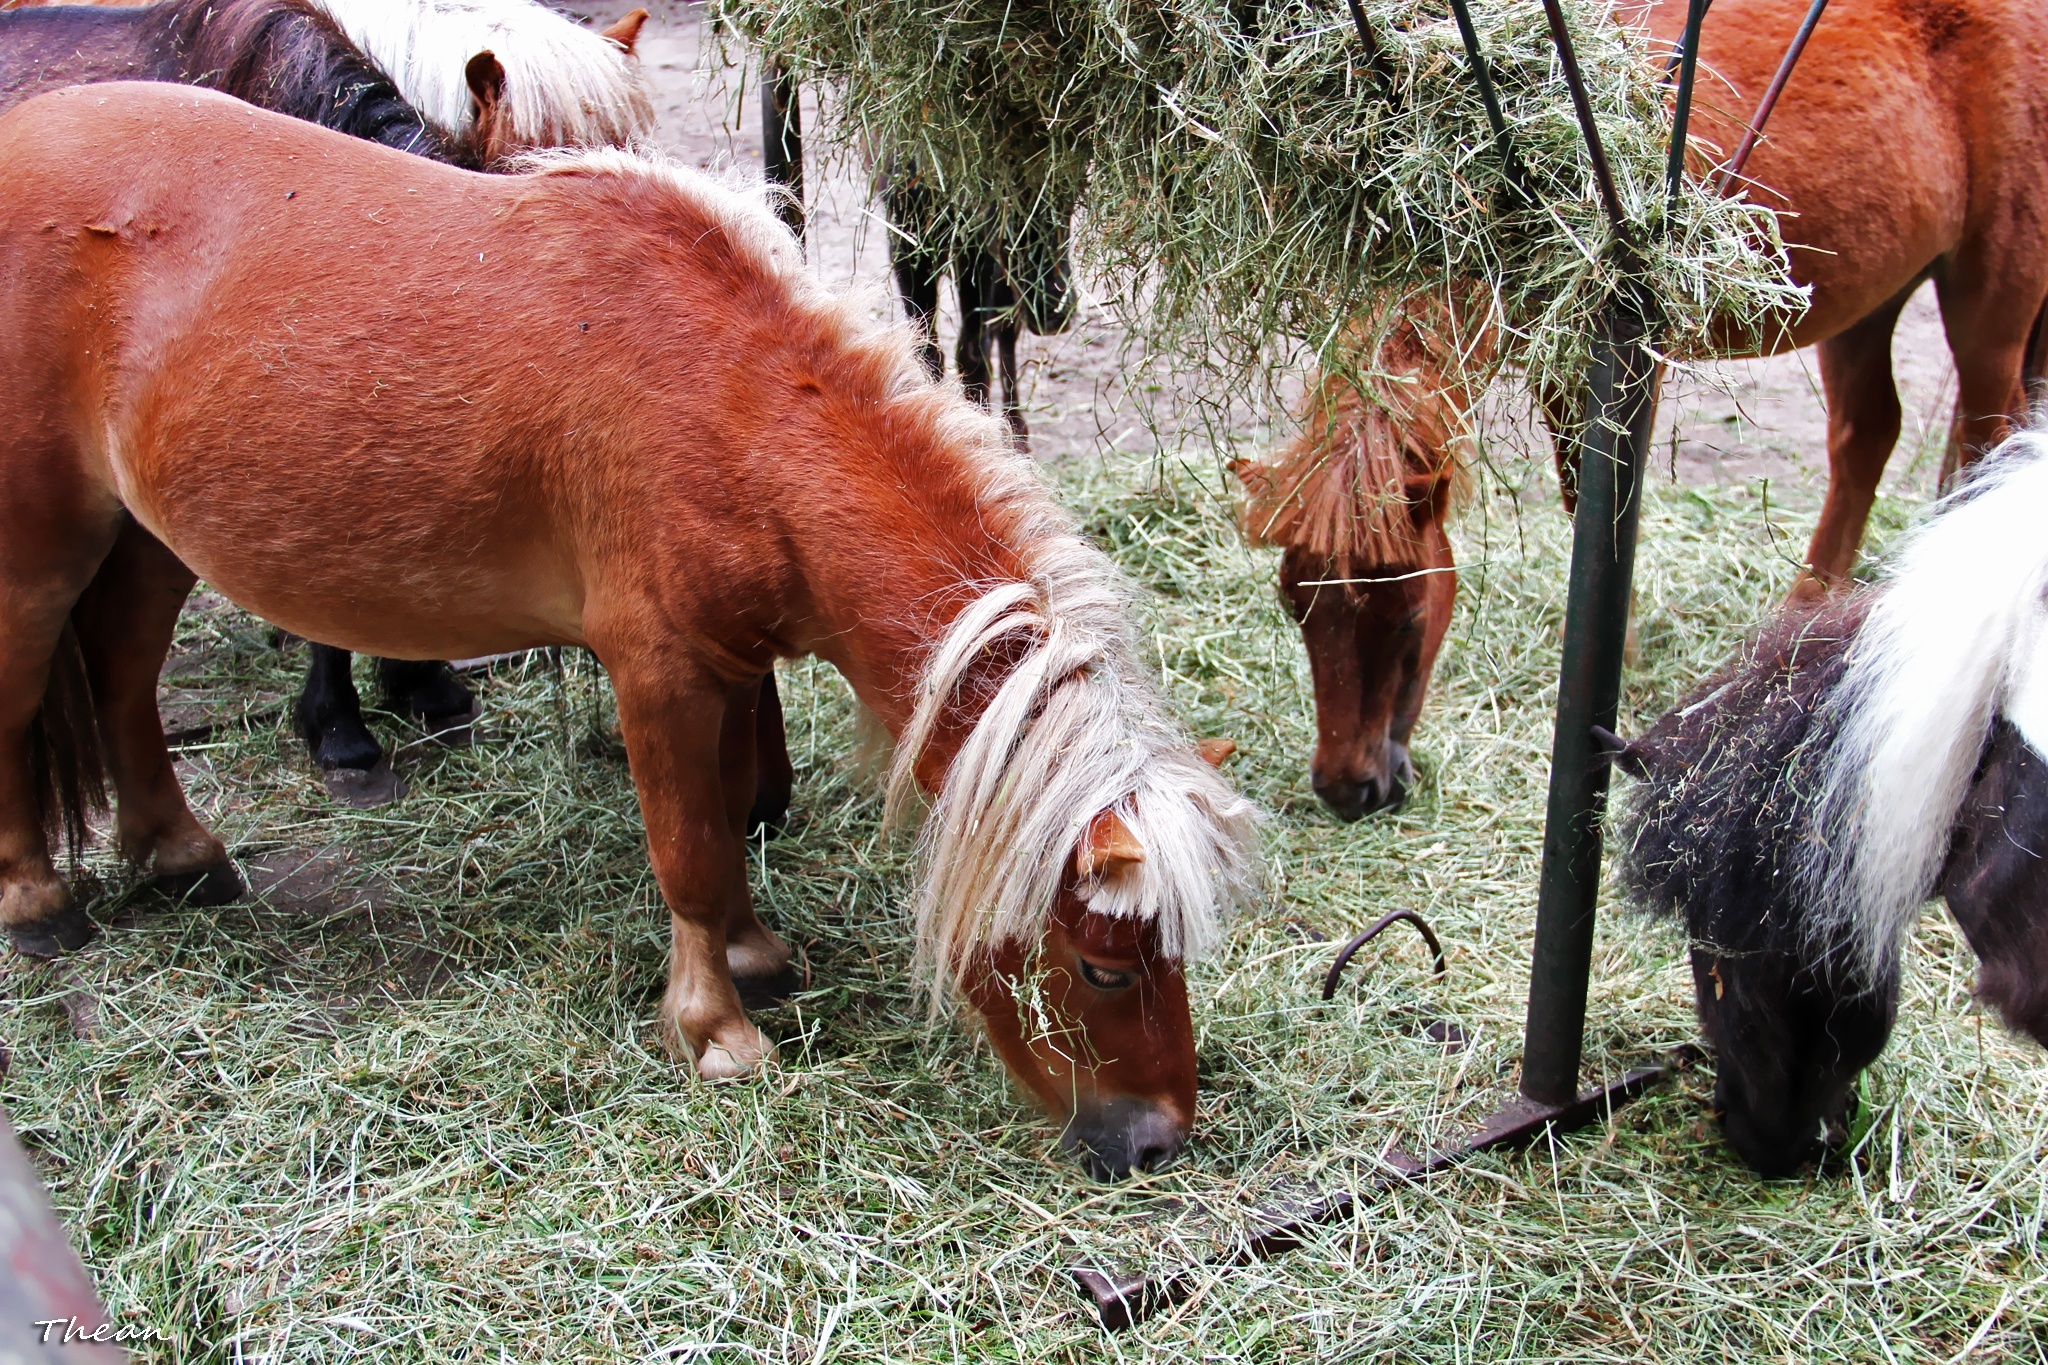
1124 1136
1155 1157
1346 800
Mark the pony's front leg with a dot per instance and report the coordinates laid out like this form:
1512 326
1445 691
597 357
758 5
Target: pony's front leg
674 722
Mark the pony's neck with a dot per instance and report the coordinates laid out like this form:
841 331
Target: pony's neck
918 522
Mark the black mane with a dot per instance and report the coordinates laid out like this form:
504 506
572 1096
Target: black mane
288 57
1726 781
281 55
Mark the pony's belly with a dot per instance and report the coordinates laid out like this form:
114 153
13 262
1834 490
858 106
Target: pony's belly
427 587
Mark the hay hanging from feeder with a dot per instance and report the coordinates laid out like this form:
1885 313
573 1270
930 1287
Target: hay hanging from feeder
1245 184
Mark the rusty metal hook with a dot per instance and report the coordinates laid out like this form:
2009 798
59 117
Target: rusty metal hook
1436 949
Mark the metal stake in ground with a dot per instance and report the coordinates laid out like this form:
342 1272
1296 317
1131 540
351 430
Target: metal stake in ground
782 141
1612 456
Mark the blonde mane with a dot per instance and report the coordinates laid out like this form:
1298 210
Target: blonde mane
1374 440
564 85
1075 728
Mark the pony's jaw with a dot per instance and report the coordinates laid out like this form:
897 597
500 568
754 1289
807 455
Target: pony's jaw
1788 1049
1996 880
1371 651
1117 1069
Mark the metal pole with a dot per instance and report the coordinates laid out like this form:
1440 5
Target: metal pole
1613 453
1375 55
1733 170
1688 58
782 141
1503 141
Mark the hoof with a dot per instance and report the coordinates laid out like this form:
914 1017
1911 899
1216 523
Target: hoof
730 1059
64 932
220 884
766 992
363 789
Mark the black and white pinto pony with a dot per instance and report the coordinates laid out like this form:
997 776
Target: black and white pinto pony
1858 758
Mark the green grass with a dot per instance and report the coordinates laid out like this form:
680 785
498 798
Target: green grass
408 1107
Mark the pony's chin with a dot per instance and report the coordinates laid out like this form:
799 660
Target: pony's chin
1780 1146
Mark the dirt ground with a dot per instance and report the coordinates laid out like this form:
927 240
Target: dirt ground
1731 422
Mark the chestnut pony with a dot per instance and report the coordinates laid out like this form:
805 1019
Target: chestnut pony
1911 143
1855 760
596 404
1356 501
471 84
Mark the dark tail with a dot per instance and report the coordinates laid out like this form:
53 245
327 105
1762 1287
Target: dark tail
65 761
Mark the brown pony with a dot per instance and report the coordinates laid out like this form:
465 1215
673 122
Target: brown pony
598 404
1357 502
1911 143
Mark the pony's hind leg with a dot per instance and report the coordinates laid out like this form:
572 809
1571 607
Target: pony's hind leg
426 690
1988 315
125 621
1005 336
752 950
50 761
329 714
1863 426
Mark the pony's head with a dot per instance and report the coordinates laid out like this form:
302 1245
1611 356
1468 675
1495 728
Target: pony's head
1357 501
1078 853
1705 838
1798 809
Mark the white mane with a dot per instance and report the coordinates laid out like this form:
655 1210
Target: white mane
564 85
1958 637
1076 728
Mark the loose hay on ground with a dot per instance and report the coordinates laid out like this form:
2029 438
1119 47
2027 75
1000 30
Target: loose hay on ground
280 1145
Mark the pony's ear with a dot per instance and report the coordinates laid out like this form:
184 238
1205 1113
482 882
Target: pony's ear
1630 758
1107 847
1215 750
486 79
626 32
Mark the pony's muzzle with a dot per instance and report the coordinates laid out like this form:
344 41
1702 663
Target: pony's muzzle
1123 1136
1354 796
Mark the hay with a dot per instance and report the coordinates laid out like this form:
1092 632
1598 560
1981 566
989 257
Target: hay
1244 182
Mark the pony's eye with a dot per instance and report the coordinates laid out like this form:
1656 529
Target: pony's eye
1102 978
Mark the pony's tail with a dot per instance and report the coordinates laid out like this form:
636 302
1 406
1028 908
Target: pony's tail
67 766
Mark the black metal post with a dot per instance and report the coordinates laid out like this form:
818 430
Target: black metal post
1688 58
1503 141
1613 453
782 141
